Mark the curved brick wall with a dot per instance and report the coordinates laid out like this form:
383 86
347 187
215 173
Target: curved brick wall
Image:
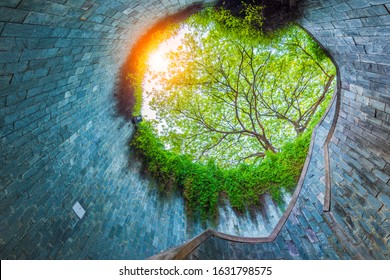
356 34
62 140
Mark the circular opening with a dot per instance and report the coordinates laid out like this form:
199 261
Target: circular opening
228 110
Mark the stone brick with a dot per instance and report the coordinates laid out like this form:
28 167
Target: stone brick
354 23
373 21
35 5
15 97
9 56
57 9
292 249
377 2
311 235
12 15
9 3
42 18
26 30
385 199
358 3
339 24
382 176
60 134
349 95
317 216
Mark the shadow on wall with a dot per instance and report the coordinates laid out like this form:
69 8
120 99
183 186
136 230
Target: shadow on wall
124 90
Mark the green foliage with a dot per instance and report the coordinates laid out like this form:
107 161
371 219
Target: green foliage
204 184
230 92
136 82
200 182
230 98
247 25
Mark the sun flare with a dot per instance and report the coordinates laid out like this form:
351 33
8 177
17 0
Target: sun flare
158 62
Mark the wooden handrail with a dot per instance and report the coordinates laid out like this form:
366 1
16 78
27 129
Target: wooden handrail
183 251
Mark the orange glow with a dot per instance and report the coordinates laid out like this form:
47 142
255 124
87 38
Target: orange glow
158 61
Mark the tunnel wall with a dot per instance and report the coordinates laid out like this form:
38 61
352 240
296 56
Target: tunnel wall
356 34
63 140
62 137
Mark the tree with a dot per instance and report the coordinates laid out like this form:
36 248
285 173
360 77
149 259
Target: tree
235 98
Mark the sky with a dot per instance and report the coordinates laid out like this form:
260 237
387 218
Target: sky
158 62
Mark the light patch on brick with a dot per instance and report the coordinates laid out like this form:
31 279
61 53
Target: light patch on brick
79 210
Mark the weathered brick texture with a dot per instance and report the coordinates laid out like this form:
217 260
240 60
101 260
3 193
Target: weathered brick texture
356 34
62 140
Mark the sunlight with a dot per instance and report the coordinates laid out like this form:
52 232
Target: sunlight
158 61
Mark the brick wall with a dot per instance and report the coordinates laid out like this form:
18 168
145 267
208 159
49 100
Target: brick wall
356 33
62 140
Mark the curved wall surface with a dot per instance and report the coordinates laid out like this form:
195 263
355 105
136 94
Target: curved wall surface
63 140
356 34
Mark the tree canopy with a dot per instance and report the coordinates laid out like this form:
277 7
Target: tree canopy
232 94
235 109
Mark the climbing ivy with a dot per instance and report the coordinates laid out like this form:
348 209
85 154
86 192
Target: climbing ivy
203 184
